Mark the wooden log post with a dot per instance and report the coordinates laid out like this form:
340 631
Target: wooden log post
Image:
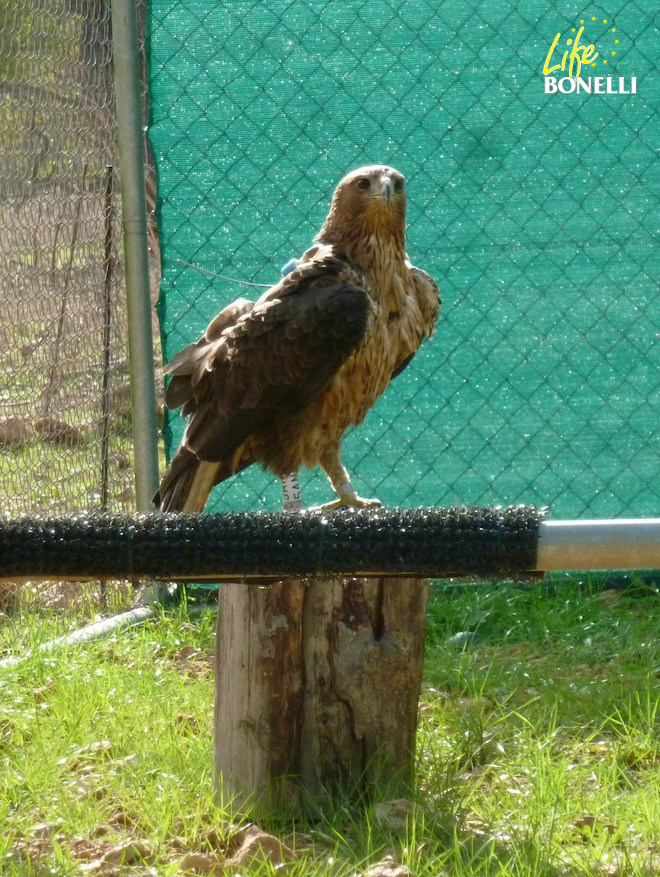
317 687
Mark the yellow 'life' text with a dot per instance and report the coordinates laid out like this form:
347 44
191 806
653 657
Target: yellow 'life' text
581 54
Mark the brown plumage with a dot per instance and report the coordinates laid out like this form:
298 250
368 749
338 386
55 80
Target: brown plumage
278 381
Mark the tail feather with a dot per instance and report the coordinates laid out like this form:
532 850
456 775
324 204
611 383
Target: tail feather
187 483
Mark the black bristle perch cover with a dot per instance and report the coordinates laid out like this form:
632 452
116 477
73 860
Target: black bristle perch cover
435 542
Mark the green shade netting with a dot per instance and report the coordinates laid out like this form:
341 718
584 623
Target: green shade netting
537 213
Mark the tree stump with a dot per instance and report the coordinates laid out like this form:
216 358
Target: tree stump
317 687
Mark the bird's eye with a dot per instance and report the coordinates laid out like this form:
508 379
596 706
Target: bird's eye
363 184
398 185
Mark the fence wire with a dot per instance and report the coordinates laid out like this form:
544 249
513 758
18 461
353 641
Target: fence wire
65 434
536 212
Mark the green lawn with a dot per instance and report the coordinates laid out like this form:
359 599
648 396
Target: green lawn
538 748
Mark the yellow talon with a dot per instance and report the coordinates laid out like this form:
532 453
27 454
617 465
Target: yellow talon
350 500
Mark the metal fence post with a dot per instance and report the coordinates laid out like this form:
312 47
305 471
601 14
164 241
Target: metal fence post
136 255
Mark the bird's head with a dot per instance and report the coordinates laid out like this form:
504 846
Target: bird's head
369 201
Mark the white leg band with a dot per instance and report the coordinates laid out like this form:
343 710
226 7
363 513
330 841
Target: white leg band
292 495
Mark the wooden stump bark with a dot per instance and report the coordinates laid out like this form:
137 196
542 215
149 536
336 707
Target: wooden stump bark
317 686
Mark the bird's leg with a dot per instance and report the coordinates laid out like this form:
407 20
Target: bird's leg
292 496
332 466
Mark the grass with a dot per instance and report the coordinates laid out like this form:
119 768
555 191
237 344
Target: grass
539 748
50 476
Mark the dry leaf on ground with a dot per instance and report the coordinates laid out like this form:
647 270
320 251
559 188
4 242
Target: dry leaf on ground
252 843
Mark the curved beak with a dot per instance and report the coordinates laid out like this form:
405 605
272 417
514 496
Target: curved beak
386 188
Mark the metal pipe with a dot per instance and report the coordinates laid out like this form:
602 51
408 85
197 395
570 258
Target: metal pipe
128 89
631 543
88 634
99 629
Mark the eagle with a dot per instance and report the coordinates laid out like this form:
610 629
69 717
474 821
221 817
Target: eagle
278 381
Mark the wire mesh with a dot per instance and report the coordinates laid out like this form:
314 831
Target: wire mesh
536 212
65 436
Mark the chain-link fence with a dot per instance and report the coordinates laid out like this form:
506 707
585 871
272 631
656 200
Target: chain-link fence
537 212
65 437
